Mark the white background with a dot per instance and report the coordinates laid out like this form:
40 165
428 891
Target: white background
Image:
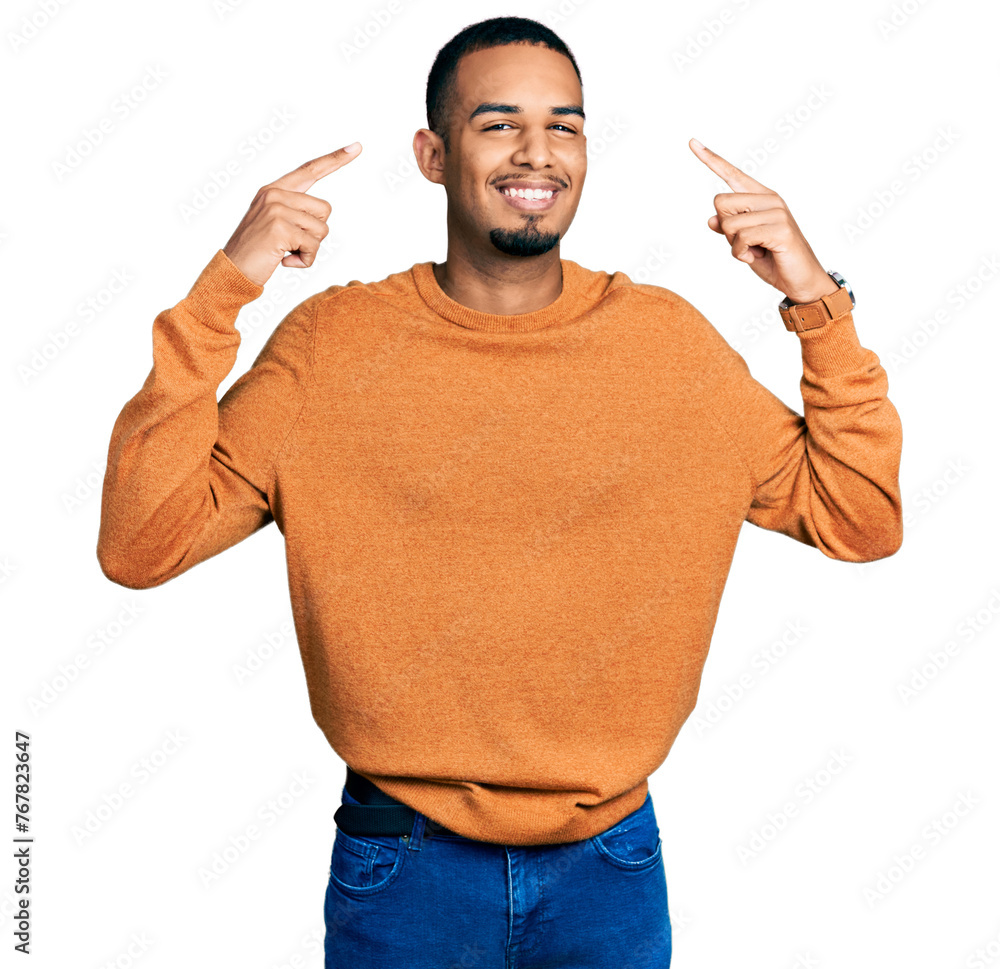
870 104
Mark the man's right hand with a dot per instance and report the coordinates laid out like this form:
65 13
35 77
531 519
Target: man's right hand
283 219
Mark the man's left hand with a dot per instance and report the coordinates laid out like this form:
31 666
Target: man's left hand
763 233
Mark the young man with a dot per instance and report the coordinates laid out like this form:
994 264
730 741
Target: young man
510 490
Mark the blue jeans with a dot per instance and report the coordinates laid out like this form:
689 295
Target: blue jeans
448 902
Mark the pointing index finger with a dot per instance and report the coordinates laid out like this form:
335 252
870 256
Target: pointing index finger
737 180
308 173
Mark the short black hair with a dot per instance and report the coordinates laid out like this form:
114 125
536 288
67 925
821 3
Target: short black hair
495 32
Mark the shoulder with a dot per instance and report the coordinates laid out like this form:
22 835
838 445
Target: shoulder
668 308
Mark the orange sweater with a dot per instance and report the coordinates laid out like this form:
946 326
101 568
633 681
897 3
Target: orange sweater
507 536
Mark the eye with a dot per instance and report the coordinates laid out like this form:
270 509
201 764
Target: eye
505 124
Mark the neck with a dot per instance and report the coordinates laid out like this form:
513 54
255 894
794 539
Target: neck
506 285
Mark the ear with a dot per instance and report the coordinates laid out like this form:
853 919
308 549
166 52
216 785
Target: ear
428 149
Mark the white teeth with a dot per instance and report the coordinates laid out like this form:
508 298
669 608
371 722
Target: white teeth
528 193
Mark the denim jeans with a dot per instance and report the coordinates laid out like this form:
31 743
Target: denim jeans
448 902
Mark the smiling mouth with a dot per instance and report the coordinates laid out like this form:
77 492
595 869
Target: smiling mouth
529 200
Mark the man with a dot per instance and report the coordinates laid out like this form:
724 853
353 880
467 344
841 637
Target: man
510 490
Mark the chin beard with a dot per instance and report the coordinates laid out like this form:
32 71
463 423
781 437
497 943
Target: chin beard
527 241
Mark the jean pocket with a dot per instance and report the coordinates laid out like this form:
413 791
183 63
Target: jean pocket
633 844
365 865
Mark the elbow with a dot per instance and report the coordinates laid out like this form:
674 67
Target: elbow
870 544
885 534
116 568
881 546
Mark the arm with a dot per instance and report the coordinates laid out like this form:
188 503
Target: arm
829 478
187 477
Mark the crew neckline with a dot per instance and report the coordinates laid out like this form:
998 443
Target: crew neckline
559 310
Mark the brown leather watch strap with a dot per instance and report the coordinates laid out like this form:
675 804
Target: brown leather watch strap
809 316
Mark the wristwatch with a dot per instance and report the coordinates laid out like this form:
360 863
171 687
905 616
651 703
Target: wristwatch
810 316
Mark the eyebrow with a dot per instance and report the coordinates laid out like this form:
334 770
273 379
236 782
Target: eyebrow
492 107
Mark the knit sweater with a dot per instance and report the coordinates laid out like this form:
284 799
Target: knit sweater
507 536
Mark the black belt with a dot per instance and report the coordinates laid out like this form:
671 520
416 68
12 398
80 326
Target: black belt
378 813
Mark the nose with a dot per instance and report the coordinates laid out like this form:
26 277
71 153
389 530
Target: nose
534 148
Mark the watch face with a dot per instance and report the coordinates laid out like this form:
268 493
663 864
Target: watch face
840 281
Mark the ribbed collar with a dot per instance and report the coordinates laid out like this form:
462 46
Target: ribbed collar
576 297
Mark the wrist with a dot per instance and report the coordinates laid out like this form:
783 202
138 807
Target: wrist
824 287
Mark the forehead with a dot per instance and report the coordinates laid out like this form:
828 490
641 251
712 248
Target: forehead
523 74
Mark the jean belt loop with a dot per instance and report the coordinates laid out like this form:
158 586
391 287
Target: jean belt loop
416 841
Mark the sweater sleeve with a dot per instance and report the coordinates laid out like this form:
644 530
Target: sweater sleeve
828 477
187 476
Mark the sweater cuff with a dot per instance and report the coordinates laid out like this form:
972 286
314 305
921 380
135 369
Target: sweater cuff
833 348
220 292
